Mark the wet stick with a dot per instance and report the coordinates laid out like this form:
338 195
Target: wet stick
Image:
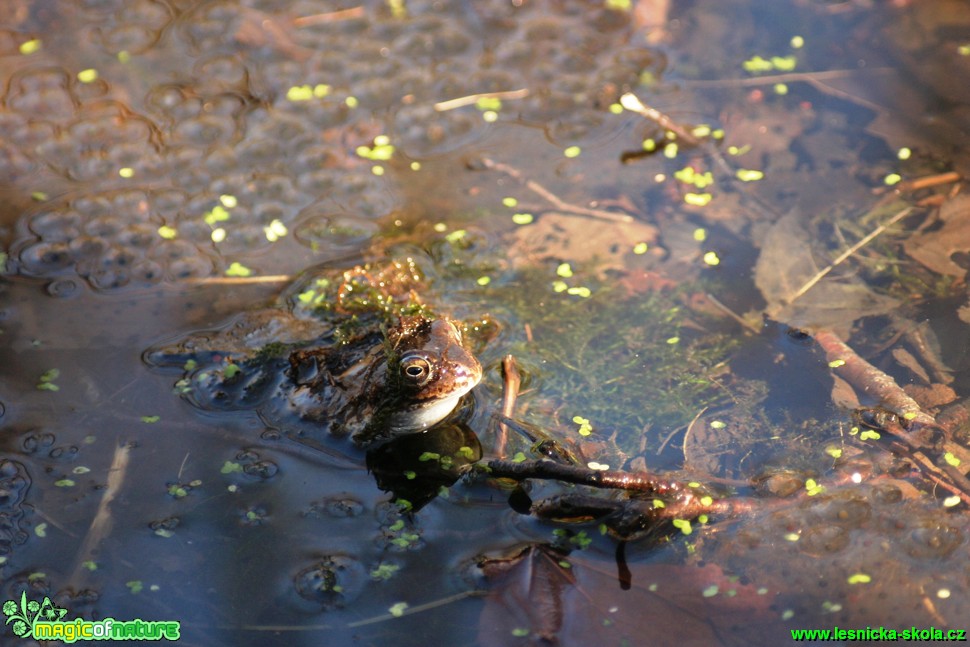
867 379
632 103
513 380
472 99
610 479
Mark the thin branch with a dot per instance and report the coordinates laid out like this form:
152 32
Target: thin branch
552 198
330 16
747 325
849 252
239 280
418 608
472 99
929 181
815 79
790 77
632 103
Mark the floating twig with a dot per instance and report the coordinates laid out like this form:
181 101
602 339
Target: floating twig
239 280
328 17
472 99
552 198
632 103
418 608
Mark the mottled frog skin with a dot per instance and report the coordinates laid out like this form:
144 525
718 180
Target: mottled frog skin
403 383
353 355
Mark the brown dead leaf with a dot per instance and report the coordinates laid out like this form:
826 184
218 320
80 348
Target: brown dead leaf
786 265
933 249
528 596
666 605
931 397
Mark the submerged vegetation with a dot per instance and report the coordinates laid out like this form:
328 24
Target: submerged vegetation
627 364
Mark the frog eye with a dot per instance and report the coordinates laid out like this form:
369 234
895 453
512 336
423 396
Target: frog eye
416 370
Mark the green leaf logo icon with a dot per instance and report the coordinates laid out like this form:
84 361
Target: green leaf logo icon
24 615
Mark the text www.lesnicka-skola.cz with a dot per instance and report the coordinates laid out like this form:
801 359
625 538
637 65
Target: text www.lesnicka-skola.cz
913 634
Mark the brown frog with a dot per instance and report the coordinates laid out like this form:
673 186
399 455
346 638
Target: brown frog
367 389
352 354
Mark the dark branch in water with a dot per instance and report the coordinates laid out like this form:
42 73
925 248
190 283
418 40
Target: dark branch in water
613 479
654 505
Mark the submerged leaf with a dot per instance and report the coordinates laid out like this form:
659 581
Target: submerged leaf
785 275
586 605
933 249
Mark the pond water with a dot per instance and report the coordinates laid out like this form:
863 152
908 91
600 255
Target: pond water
669 216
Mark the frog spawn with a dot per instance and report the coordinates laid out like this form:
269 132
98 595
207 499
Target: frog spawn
218 122
810 547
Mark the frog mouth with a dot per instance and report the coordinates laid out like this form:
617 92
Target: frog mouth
431 410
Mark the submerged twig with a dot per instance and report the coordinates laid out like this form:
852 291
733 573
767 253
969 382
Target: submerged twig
552 198
690 427
812 78
613 479
418 608
747 325
101 524
916 429
849 252
929 181
869 379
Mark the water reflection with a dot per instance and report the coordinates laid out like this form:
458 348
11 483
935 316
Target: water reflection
416 468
